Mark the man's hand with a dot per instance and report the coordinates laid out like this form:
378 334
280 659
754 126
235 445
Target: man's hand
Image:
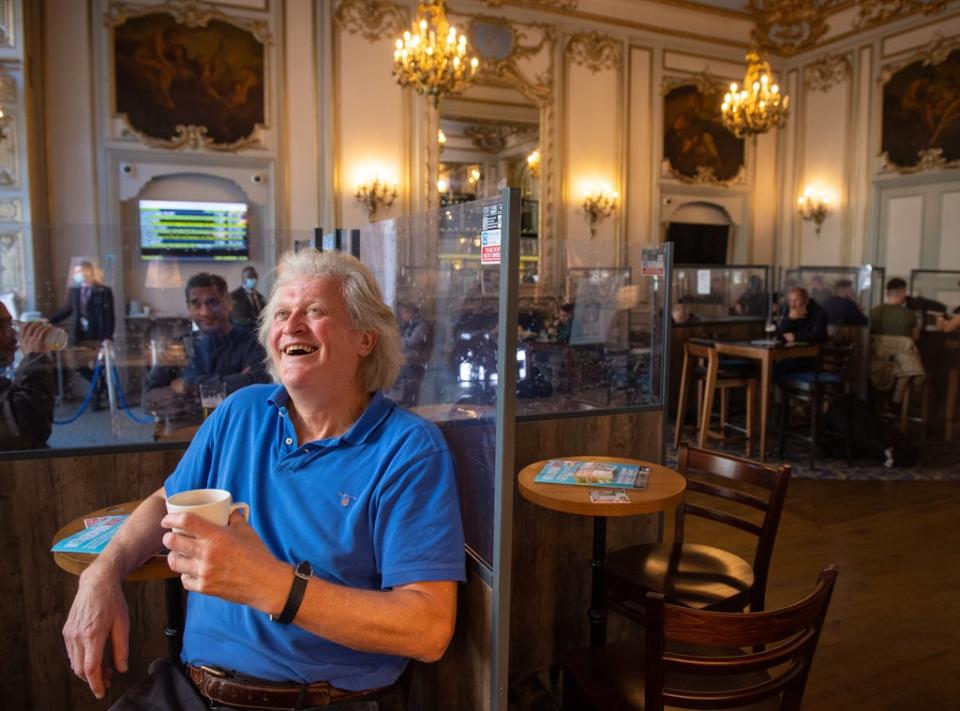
178 386
797 312
33 336
99 611
229 562
789 336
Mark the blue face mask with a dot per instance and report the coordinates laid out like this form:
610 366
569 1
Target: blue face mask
250 284
78 278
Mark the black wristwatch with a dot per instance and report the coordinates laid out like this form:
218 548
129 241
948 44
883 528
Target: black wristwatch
300 577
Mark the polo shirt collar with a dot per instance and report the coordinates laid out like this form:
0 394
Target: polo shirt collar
375 413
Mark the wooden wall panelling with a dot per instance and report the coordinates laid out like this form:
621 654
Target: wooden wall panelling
552 551
38 497
461 680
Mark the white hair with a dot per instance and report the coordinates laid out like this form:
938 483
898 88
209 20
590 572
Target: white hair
361 293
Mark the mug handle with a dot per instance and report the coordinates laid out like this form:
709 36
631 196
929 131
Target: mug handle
241 507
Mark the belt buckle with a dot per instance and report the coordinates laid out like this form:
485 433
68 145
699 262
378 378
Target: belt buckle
213 671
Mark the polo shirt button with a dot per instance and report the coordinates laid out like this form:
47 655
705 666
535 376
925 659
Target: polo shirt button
289 440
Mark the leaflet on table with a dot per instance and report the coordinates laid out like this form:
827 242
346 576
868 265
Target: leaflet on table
620 476
93 539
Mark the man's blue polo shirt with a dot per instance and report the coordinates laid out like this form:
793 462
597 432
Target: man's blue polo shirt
373 509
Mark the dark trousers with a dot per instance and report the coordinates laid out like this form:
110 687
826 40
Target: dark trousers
167 688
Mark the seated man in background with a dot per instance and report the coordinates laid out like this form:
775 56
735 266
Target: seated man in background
222 355
841 308
247 302
416 337
805 321
348 565
26 402
753 301
892 317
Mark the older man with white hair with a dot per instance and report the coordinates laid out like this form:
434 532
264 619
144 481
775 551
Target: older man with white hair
348 565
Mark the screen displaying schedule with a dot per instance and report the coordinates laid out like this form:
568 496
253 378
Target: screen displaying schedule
193 230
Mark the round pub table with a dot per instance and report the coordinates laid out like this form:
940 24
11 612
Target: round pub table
664 490
155 568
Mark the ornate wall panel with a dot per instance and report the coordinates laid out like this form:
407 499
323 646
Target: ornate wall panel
595 51
374 19
921 123
11 260
187 76
827 71
8 31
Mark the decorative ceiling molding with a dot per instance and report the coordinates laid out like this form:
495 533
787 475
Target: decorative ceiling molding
875 12
492 137
789 26
827 71
562 4
189 13
373 19
595 51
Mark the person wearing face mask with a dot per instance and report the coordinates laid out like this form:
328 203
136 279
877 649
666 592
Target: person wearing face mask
89 309
247 301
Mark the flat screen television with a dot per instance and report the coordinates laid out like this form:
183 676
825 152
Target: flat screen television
199 231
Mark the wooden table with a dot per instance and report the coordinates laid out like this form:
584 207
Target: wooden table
665 489
155 568
767 353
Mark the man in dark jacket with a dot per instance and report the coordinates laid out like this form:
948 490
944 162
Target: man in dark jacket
805 322
26 402
89 307
247 301
221 355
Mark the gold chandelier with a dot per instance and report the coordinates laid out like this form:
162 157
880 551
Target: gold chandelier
431 57
759 106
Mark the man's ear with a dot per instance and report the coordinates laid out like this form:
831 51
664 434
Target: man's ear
368 339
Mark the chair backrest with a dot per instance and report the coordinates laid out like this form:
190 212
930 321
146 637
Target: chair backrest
834 357
740 658
693 462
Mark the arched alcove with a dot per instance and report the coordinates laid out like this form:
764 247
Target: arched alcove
701 232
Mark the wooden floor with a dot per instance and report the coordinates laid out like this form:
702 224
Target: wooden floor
892 636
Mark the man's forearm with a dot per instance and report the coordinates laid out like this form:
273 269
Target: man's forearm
138 539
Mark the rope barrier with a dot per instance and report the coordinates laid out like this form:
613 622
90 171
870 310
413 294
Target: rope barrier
86 400
123 401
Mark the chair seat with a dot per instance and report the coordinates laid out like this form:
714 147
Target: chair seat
805 380
688 574
731 368
612 676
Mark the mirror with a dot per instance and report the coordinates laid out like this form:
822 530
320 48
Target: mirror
490 139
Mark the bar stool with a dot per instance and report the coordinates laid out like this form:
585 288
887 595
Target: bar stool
730 373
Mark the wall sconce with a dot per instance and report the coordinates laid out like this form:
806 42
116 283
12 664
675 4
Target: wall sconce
474 177
597 205
442 185
441 137
813 206
377 194
533 163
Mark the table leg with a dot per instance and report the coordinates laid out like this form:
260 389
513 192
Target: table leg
765 375
597 613
681 400
174 629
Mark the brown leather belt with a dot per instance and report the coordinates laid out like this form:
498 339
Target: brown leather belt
246 693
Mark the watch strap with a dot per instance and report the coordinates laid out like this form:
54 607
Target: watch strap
301 575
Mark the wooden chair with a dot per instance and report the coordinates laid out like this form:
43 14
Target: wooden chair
755 660
730 374
828 382
702 576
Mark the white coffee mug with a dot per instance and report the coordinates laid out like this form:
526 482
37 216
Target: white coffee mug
214 505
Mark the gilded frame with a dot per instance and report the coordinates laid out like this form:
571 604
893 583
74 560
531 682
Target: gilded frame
227 106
